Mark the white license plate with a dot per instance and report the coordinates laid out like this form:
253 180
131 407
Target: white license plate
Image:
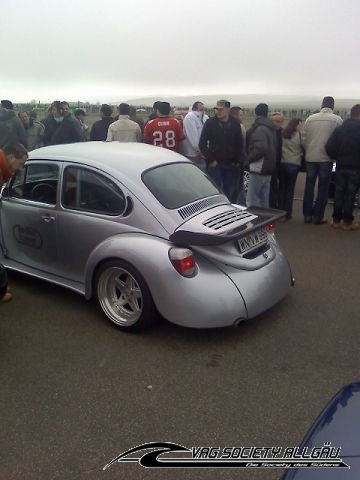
253 240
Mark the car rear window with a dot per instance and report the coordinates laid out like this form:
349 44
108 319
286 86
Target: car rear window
178 184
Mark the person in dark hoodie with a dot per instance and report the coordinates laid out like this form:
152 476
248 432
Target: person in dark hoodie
343 146
11 128
100 128
261 157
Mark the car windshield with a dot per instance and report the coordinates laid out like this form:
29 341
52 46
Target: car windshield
178 184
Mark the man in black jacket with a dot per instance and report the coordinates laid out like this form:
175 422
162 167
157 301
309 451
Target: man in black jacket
343 146
221 144
100 128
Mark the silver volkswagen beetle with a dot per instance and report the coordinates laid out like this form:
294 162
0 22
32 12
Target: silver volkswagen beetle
144 231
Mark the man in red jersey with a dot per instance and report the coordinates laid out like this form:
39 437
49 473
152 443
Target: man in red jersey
12 158
164 131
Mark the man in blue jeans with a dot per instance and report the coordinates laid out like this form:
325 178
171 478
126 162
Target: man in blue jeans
318 128
344 147
261 156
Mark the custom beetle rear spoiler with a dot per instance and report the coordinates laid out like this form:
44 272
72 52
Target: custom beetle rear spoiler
202 235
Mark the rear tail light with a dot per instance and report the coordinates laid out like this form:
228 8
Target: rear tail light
270 228
183 261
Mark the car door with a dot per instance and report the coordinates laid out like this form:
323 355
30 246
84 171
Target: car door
91 210
29 215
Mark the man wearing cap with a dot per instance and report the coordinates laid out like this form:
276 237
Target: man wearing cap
221 144
318 128
261 148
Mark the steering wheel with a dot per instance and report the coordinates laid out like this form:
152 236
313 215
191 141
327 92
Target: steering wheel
43 192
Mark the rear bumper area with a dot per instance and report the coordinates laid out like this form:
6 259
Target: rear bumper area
208 300
263 288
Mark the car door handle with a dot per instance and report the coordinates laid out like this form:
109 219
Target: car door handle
48 218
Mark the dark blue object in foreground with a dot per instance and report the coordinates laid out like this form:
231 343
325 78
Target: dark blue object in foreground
338 423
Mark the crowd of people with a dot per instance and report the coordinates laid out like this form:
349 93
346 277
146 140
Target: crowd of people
271 153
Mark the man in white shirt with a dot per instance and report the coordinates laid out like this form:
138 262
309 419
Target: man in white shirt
124 129
193 124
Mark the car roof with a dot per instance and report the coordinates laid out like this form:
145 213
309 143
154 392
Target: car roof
129 159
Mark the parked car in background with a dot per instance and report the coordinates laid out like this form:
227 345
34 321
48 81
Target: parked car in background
144 231
339 424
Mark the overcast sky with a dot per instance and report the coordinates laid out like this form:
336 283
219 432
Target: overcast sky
120 49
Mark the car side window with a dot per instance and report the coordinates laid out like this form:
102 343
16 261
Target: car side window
90 191
37 182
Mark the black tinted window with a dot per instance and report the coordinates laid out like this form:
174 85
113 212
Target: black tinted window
37 182
178 184
87 190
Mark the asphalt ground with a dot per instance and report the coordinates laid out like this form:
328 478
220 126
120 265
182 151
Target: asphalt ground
76 392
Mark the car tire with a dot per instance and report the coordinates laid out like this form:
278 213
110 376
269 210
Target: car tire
124 297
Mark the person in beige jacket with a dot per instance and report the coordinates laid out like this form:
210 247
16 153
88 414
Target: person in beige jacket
318 128
124 129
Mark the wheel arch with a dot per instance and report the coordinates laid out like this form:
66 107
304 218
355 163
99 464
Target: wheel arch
129 249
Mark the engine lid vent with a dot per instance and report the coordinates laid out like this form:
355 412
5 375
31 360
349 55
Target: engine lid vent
228 218
196 207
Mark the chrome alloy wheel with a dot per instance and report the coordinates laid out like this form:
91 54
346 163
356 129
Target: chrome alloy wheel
120 296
